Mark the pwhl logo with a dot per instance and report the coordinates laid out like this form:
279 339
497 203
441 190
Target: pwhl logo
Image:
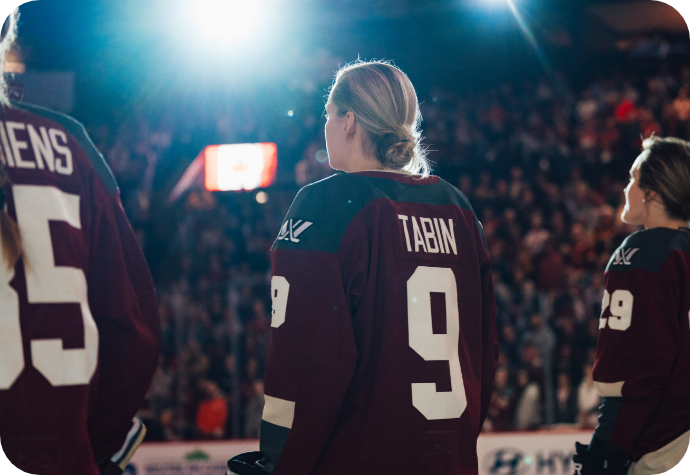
292 229
505 461
623 256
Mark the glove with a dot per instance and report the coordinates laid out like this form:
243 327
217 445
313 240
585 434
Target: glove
244 464
589 462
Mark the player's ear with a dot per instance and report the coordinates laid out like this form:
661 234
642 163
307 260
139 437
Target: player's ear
651 195
350 125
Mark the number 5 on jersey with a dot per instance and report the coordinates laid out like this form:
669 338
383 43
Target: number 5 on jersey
36 206
432 404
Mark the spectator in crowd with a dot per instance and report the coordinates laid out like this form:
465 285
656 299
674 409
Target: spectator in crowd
167 426
253 411
528 406
196 363
212 412
541 338
566 400
537 236
161 387
588 400
501 410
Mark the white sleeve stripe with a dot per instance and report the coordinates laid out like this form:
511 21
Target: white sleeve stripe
278 411
134 438
136 423
610 389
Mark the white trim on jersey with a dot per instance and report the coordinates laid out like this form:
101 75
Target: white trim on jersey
280 412
610 389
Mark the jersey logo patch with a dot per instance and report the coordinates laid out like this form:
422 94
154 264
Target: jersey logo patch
291 230
623 257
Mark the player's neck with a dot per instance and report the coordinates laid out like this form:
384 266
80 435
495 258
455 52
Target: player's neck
361 163
662 221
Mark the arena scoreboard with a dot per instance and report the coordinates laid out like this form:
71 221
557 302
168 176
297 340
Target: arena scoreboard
237 167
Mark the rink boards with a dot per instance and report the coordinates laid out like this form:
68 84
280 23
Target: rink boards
509 453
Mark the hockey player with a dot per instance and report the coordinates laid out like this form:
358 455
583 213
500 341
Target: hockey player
79 327
642 368
384 343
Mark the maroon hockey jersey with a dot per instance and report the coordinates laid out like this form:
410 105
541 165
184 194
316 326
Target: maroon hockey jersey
642 368
79 327
384 343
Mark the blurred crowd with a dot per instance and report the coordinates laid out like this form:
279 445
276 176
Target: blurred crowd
543 164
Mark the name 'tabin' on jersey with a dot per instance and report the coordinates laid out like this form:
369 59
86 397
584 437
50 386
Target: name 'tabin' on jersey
427 235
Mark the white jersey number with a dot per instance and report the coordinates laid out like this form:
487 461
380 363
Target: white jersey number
430 346
36 206
435 347
621 302
279 294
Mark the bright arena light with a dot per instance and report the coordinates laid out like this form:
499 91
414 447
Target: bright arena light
227 20
209 38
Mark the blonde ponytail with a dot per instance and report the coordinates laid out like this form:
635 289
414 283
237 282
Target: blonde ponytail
385 103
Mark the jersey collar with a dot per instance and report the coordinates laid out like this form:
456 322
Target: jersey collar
402 177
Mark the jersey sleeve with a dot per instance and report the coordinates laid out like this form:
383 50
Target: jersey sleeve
490 339
312 354
124 306
638 340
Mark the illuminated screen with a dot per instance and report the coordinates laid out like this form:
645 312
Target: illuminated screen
243 166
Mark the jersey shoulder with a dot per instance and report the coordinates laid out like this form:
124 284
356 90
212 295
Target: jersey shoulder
77 130
322 211
648 249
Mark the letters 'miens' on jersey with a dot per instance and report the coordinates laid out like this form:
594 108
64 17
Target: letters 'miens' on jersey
49 146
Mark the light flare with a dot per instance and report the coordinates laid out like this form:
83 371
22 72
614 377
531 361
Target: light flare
529 36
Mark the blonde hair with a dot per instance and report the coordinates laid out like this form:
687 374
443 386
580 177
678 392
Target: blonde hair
385 103
7 38
9 231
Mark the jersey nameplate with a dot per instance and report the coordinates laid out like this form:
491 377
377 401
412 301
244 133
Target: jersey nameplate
427 234
431 235
49 147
